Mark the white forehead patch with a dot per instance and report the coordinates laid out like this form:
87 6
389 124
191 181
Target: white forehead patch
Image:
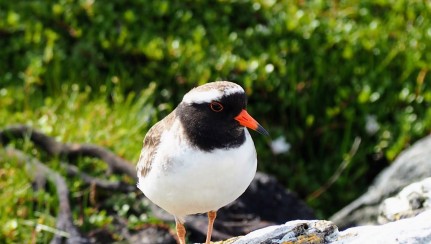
212 92
202 96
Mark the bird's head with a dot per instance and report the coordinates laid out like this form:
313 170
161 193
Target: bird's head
216 113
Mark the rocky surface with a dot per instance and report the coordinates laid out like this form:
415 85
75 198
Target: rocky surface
299 231
412 200
412 230
412 165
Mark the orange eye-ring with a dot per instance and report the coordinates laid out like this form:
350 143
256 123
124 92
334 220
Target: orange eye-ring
216 106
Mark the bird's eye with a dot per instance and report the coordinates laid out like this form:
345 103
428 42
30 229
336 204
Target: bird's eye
216 106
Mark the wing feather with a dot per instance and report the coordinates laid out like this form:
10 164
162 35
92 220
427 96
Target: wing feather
151 144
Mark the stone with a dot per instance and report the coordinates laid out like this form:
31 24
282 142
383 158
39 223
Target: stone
298 231
412 200
411 230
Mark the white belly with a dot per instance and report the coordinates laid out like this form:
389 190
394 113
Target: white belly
187 181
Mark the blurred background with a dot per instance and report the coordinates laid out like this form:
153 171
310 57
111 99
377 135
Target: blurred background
342 86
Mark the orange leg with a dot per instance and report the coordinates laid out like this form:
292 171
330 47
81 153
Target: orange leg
181 231
211 217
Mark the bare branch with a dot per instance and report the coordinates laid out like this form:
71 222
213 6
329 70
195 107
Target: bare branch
103 184
70 151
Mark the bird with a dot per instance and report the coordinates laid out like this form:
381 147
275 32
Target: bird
201 156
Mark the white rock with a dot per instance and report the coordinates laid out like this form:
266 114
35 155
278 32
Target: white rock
411 230
410 201
393 206
319 231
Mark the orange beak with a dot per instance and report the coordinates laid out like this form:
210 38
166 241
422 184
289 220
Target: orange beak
246 120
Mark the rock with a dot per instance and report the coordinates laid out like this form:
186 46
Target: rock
412 200
266 202
312 231
412 165
411 230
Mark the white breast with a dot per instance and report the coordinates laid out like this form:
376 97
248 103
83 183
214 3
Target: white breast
186 181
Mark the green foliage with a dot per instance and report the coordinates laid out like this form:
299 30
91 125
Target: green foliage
29 215
26 215
314 71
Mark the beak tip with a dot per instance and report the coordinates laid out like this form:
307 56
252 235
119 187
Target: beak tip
262 130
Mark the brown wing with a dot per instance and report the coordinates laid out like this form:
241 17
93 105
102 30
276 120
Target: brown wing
151 144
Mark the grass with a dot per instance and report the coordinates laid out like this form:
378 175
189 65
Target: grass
109 120
27 215
118 123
